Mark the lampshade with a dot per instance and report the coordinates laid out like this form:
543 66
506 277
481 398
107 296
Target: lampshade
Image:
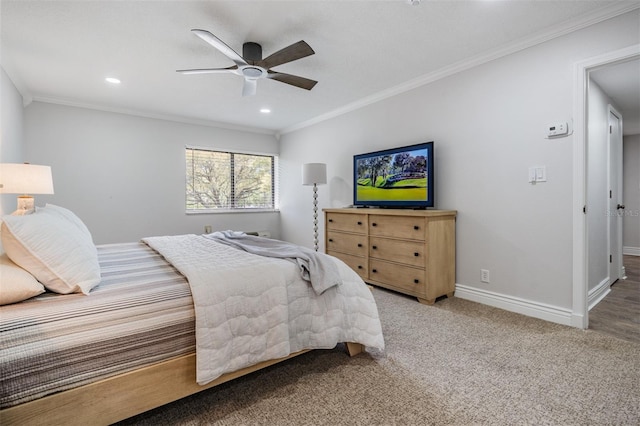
25 179
314 173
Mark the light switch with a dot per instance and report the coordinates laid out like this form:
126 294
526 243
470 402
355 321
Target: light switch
537 174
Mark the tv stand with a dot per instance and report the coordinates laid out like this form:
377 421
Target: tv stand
410 251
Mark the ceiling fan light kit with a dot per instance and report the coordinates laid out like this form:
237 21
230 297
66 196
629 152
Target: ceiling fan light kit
252 67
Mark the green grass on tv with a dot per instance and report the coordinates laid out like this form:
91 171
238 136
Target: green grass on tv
382 182
416 183
368 193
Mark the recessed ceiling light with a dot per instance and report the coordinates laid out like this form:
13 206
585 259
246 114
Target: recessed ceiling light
112 80
265 110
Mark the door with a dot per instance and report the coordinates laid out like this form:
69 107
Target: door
616 205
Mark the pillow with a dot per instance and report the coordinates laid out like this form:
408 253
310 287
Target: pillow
16 284
54 248
71 217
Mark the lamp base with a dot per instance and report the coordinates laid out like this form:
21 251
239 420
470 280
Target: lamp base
315 216
26 205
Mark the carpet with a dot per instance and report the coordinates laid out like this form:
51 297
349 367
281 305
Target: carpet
454 363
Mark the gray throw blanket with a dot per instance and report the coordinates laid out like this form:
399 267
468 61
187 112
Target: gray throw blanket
317 268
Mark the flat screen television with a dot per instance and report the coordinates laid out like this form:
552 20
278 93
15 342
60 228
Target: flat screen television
398 177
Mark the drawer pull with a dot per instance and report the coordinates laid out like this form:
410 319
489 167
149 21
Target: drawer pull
359 266
359 245
416 254
417 281
374 270
330 220
416 227
374 224
359 223
374 247
330 240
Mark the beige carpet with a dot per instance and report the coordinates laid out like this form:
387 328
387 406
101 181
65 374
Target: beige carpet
454 363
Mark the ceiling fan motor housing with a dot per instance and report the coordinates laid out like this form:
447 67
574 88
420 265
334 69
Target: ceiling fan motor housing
251 52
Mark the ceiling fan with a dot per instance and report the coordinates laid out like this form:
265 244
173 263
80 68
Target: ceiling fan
252 67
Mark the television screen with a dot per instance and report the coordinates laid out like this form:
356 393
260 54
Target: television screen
398 177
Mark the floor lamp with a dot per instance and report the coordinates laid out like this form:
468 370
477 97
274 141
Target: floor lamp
314 174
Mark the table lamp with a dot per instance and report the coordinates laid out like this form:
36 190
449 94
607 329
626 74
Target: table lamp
25 179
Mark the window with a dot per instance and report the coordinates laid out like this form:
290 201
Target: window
222 180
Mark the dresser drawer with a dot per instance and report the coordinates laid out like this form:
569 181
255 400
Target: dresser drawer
347 222
406 227
347 243
404 278
358 264
407 252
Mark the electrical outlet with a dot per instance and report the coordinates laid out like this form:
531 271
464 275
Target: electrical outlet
484 275
207 229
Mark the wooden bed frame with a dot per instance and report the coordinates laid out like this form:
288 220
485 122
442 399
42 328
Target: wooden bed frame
117 398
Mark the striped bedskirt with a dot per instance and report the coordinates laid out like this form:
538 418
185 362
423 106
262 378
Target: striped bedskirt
140 314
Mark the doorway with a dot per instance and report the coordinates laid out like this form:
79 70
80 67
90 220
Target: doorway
585 242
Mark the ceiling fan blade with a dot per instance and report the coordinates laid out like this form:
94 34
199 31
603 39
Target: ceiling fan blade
249 87
290 53
294 80
221 46
233 69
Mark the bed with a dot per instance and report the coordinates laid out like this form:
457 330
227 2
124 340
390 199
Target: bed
101 349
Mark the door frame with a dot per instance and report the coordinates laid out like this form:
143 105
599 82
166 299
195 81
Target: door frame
580 312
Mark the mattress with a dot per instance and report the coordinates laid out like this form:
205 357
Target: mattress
140 314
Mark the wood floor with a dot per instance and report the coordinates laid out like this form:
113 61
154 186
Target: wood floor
619 313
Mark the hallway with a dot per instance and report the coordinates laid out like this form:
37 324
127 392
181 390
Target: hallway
619 313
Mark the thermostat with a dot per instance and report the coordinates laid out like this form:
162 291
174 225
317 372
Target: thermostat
558 129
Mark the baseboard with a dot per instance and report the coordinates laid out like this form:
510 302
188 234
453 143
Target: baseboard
598 293
631 251
517 305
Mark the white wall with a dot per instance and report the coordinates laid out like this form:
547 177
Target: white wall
124 175
631 194
11 133
488 125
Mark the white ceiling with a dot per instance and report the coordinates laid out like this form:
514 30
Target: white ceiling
622 83
61 51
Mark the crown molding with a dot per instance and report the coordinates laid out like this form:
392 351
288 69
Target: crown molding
156 116
27 97
584 21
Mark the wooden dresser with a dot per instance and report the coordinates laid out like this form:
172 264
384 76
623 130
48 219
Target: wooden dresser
410 251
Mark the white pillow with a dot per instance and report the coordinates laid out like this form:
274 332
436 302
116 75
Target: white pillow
16 284
71 217
54 249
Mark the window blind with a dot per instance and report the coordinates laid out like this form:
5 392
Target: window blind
225 180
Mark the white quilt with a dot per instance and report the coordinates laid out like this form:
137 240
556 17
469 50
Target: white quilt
251 308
